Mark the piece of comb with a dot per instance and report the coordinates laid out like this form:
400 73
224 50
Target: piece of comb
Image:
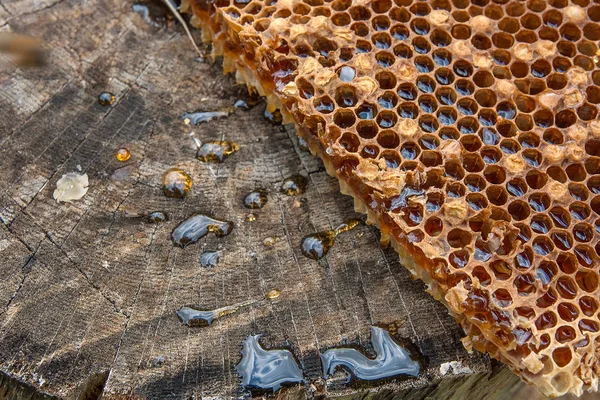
467 131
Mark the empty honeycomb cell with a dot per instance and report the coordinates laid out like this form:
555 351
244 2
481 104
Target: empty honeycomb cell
593 94
381 23
519 210
388 139
536 179
344 118
557 174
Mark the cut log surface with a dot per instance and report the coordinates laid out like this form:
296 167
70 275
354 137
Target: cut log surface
89 290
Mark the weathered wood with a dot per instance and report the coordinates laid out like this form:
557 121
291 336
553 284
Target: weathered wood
89 290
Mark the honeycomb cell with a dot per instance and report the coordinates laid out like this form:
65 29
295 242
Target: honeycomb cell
367 129
546 272
344 118
524 284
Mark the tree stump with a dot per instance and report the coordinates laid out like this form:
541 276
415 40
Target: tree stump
89 289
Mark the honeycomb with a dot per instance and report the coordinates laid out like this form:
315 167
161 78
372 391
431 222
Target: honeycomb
468 132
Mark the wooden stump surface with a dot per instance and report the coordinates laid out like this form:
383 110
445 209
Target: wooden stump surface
89 290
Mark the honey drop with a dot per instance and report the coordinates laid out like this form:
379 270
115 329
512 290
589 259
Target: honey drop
176 183
157 216
209 259
106 99
255 199
197 226
274 117
316 245
217 151
294 185
273 294
271 241
123 154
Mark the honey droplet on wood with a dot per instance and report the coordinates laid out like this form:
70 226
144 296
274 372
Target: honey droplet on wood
274 117
267 369
123 154
391 360
176 183
209 259
255 199
273 294
196 227
294 185
106 99
316 245
271 241
157 216
195 118
216 151
193 317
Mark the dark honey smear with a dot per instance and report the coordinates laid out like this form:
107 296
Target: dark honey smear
317 245
294 185
216 151
196 227
256 199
